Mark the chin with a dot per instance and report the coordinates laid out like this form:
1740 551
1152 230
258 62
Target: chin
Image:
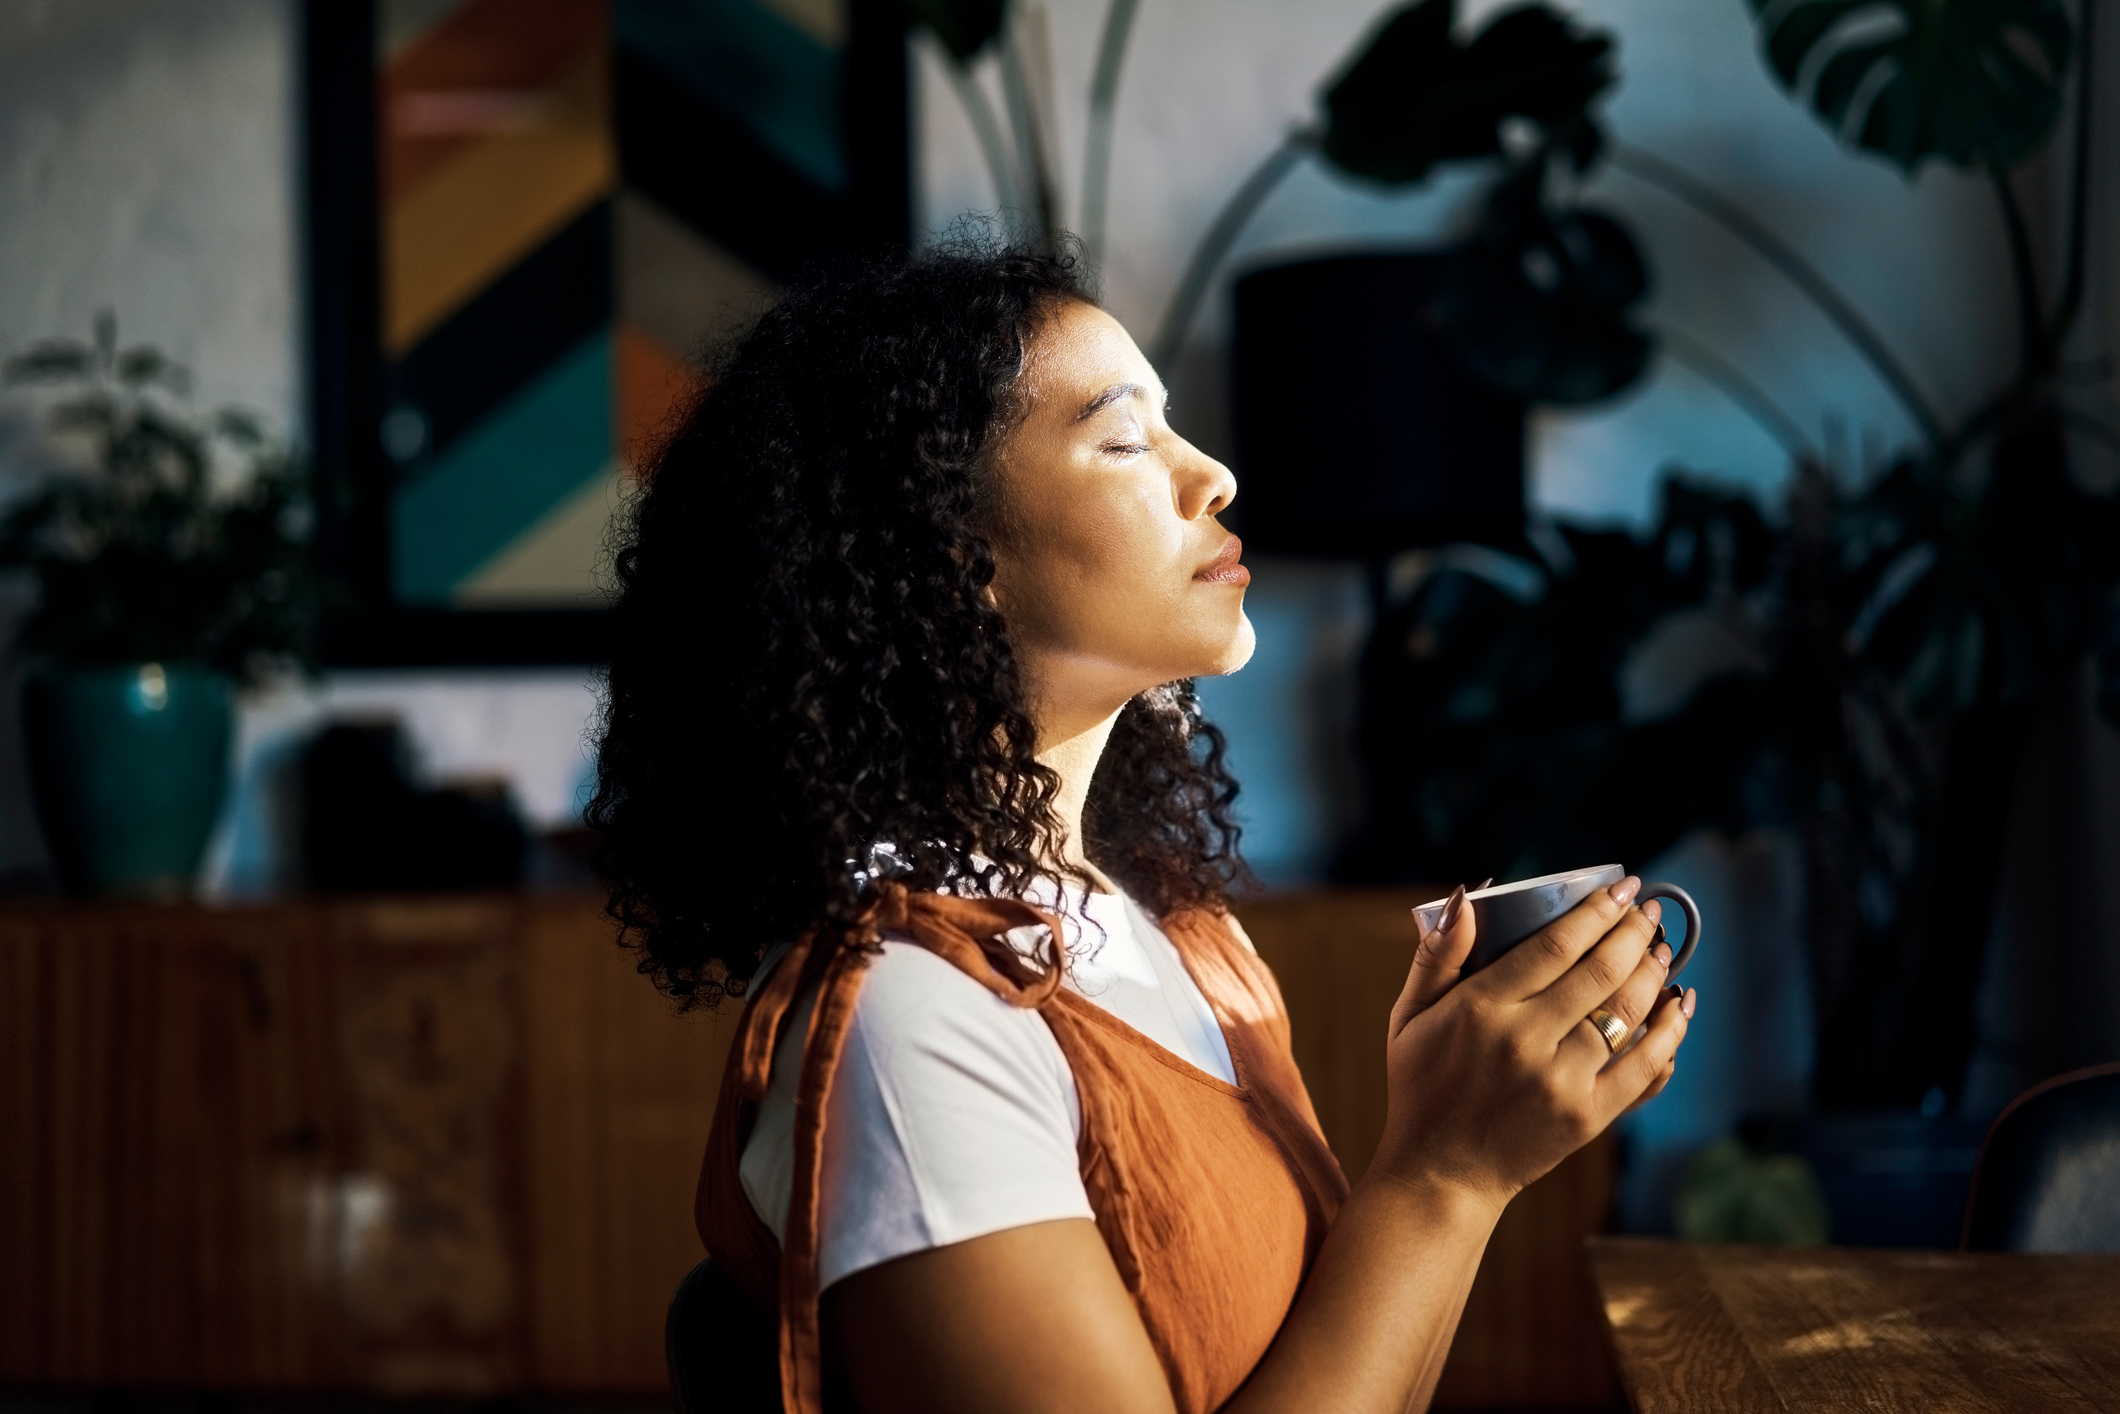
1237 652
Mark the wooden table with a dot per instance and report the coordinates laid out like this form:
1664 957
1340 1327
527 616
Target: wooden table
1707 1329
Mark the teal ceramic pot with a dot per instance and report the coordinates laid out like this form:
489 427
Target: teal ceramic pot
129 766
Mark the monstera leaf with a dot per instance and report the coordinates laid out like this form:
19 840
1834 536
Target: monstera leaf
1416 97
1536 302
1975 82
1966 600
964 26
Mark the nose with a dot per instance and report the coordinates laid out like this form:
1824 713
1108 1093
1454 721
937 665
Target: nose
1201 485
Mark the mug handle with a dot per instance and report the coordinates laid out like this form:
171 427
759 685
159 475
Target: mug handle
1687 906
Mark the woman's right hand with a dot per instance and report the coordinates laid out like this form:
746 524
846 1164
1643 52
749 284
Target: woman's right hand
1495 1079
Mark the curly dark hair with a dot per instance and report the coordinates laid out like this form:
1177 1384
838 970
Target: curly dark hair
810 687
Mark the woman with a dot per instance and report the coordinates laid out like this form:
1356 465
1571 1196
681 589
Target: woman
902 748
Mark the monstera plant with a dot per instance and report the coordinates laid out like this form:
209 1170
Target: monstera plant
1902 633
1972 581
1535 302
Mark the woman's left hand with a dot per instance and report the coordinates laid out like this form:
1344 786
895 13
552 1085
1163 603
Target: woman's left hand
1438 965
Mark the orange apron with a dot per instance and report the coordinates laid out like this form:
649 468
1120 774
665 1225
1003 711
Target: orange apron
1213 1198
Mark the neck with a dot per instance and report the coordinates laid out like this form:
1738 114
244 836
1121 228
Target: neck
1074 759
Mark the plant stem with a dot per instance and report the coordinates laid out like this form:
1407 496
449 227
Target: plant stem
1103 97
1733 218
2071 300
988 130
1030 141
1214 246
1734 385
2031 333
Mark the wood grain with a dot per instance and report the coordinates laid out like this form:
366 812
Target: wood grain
1530 1334
622 1095
439 1146
1749 1328
1679 1351
161 1123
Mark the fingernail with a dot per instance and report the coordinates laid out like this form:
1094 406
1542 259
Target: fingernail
1663 955
1652 910
1624 891
1686 1006
1451 910
1485 882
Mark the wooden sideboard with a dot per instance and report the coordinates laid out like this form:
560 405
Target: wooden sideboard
440 1146
446 1146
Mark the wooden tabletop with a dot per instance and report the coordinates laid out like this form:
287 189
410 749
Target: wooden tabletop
1705 1329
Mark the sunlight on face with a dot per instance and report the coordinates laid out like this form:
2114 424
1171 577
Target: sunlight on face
1110 565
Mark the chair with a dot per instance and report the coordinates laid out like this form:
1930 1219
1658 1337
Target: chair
2048 1177
722 1350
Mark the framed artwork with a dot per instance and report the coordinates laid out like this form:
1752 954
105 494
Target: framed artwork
525 216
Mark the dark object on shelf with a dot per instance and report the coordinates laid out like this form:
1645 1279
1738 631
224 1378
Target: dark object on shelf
563 859
2048 1179
1356 432
368 825
723 1351
129 767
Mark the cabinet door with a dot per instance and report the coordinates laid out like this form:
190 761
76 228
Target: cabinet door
419 1228
165 1117
622 1094
440 1146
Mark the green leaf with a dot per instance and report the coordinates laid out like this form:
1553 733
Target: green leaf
240 427
95 412
145 364
52 360
1415 97
1974 82
964 26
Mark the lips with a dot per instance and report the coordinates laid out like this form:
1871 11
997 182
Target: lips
1225 569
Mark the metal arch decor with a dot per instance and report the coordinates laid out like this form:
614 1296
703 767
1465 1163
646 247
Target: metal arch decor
524 216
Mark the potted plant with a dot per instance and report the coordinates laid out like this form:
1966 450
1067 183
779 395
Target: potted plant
169 556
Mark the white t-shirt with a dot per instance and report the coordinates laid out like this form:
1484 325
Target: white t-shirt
953 1114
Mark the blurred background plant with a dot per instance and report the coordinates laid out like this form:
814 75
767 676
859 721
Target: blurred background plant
1860 666
1864 669
1751 1188
1535 301
170 537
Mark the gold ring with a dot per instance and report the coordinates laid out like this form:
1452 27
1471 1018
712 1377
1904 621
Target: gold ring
1610 1027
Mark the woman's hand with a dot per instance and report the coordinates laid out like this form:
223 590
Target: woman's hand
1495 1079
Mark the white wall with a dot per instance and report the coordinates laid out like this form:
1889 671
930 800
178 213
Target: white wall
148 154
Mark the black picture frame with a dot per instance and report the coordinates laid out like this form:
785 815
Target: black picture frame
352 476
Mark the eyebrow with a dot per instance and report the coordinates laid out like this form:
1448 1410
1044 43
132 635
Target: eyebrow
1115 393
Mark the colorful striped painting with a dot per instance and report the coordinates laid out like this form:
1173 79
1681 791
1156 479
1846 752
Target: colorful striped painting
575 196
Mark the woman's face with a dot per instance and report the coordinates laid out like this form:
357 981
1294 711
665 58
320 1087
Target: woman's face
1110 566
